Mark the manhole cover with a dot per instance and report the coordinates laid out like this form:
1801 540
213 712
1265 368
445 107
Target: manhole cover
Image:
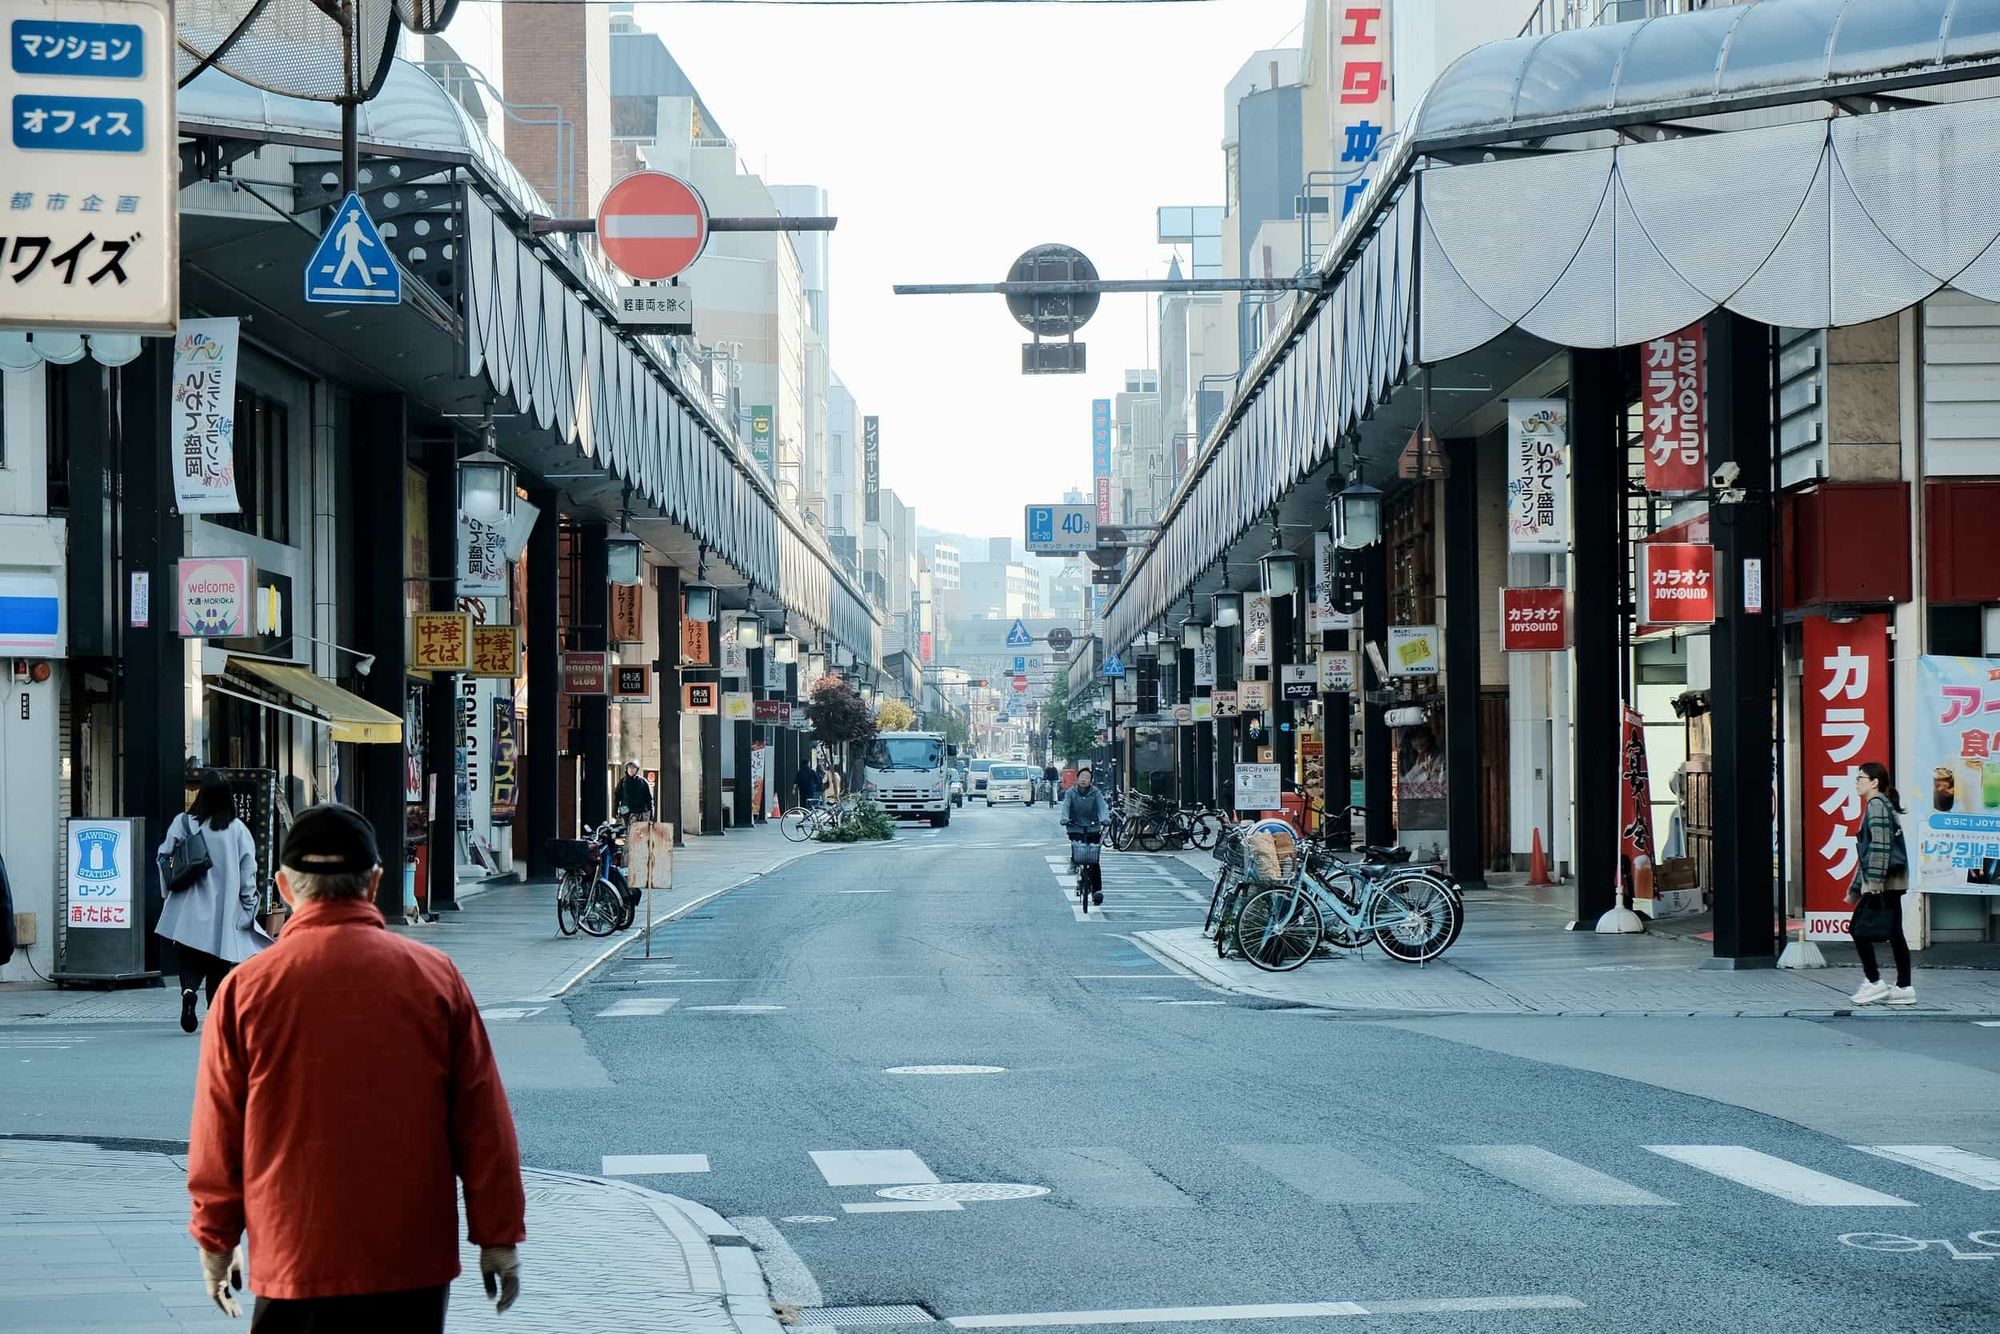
946 1070
843 1317
966 1191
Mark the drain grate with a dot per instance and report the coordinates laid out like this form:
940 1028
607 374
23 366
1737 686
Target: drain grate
853 1317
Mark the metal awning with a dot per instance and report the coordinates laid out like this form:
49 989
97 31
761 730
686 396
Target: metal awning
350 717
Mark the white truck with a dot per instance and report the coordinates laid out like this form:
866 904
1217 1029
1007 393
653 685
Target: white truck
909 774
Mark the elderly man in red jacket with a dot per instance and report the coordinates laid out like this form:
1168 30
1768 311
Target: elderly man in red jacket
306 1045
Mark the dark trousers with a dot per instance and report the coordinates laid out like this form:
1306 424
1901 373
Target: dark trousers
418 1311
1899 948
198 968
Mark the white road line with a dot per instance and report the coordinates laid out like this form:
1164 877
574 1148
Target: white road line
791 1278
872 1167
861 891
639 1005
1987 1023
1953 1164
1193 1002
1188 1315
1552 1176
734 1009
652 1164
1329 1175
1120 977
1776 1176
904 1207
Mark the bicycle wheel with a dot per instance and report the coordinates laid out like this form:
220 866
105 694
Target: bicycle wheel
566 899
797 823
1414 921
1278 929
1151 837
601 909
1204 829
1457 897
1215 901
1353 894
1121 835
1083 888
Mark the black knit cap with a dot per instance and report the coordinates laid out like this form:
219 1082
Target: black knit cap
330 839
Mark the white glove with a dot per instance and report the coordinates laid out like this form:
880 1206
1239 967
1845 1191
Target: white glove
222 1275
500 1271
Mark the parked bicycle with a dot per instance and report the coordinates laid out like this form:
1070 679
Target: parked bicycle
804 823
591 894
1156 823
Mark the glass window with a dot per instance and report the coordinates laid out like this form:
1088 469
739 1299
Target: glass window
1176 224
263 459
906 752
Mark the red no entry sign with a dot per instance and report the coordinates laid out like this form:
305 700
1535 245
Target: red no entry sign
1020 683
652 225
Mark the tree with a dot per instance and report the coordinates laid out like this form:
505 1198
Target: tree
839 720
955 730
892 715
1071 719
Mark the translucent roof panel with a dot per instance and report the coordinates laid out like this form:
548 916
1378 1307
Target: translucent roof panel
1680 62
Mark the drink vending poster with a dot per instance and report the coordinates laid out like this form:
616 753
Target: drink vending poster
1844 723
1958 753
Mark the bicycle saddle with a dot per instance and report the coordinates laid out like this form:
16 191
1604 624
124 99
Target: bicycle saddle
1380 854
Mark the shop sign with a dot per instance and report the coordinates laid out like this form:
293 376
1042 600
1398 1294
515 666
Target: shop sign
1325 590
1100 456
1844 722
737 706
771 711
871 468
1679 579
1183 715
1364 116
1201 709
1258 787
90 162
102 873
506 764
1534 620
1337 673
1675 393
1253 696
761 438
1537 475
774 672
1635 808
496 651
1958 709
1298 681
1312 764
801 719
1225 703
1256 630
441 641
204 416
1414 650
584 674
632 682
1204 659
694 643
482 558
416 524
628 620
735 658
215 595
698 697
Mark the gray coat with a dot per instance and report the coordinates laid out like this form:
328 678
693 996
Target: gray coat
217 914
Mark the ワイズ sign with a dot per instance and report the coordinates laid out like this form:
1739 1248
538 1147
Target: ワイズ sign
651 225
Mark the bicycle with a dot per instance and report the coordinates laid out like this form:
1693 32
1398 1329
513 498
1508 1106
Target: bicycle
1085 853
1281 927
587 898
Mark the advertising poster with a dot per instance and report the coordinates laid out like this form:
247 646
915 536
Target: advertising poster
694 643
735 659
1420 778
1201 709
214 596
737 706
204 429
1537 475
1635 809
483 567
1325 564
1204 659
1415 650
1224 704
1844 723
506 764
1257 787
1256 630
1958 751
1674 386
1100 456
1253 696
1337 673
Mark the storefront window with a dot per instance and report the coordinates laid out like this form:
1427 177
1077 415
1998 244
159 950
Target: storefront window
263 468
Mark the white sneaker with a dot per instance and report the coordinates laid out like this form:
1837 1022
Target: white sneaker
1871 992
1902 996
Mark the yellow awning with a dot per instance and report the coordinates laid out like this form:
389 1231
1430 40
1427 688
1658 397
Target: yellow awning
351 717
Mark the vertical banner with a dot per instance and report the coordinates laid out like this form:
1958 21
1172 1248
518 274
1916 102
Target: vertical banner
628 614
1204 659
1325 566
506 764
1100 456
694 643
1537 475
1635 808
482 558
204 430
762 438
735 658
1843 723
1363 113
1256 630
1675 390
1958 750
871 467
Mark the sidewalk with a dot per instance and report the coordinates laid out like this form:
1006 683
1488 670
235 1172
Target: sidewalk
504 939
96 1239
1515 958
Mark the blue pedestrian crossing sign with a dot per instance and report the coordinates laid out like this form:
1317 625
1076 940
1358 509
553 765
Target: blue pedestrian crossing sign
353 266
1018 637
1114 666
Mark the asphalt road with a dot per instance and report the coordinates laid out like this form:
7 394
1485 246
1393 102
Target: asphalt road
1199 1151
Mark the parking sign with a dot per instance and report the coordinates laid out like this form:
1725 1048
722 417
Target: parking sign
1061 530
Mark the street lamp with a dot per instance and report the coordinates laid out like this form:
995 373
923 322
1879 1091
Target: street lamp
1357 514
485 484
1226 608
622 558
749 629
815 664
784 649
1191 629
700 593
1278 569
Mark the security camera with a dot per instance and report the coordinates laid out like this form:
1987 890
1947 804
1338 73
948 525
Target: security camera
1725 476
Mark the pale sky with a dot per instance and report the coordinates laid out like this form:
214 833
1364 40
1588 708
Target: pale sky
950 139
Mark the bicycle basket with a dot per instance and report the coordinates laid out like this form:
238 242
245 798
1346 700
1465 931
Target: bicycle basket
1084 852
572 854
1271 853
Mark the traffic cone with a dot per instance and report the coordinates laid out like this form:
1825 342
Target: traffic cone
1538 862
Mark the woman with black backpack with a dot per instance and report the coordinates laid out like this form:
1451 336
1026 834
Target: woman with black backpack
208 870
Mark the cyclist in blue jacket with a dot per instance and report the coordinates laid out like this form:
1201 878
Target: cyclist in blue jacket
1084 811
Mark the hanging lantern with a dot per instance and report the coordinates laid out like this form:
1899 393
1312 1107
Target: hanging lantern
623 562
1358 516
784 649
1226 608
1278 569
749 629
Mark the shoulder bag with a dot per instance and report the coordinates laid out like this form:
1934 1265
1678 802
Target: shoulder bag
187 860
1874 918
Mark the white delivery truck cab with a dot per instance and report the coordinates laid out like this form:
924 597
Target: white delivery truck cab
909 774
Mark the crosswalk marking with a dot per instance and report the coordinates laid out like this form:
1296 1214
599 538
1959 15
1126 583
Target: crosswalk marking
1552 1176
639 1005
507 1013
1775 1176
903 1207
872 1167
1953 1164
1106 1178
653 1164
1327 1174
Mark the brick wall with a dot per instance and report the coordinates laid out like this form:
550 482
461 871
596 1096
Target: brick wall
560 55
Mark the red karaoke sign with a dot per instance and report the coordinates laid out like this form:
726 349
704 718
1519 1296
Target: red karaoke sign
1533 620
1679 583
1675 387
1844 712
652 225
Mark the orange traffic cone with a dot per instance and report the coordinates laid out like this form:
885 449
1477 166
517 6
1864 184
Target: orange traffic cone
1538 862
